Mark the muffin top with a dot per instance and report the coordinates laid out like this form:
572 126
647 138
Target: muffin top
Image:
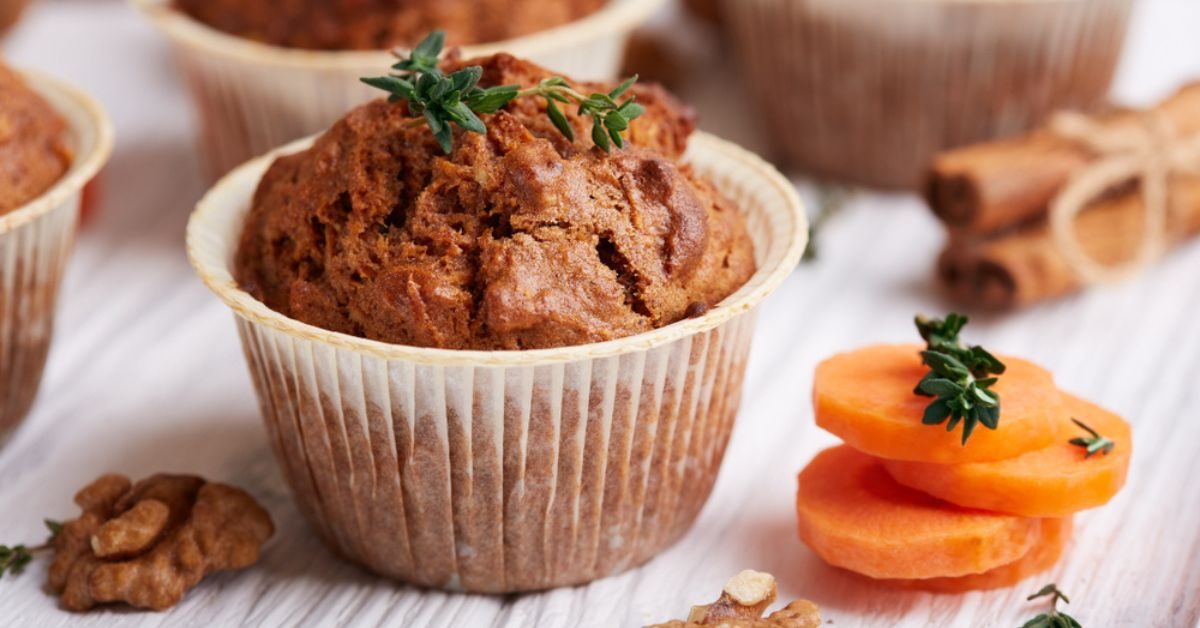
382 24
518 239
33 149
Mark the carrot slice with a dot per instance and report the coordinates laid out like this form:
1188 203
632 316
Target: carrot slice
866 398
853 515
1054 481
1056 532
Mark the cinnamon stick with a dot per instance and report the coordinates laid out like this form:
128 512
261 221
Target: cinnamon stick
987 188
1024 266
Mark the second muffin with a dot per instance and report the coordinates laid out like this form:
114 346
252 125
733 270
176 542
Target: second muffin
33 149
375 25
53 140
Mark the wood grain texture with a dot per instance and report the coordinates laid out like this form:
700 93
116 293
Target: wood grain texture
146 375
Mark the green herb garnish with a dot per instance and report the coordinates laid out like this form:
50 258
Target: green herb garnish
14 559
455 99
960 377
1053 618
1093 443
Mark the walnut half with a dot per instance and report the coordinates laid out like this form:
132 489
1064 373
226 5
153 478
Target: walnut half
148 543
742 603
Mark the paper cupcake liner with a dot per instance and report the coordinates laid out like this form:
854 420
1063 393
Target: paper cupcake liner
505 471
867 91
35 241
252 97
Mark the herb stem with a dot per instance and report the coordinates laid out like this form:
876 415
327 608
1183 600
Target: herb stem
1053 618
543 90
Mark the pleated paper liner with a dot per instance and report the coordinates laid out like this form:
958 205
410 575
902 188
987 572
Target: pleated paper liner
510 470
35 241
252 97
866 91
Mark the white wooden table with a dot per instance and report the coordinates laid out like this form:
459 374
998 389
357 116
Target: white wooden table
146 375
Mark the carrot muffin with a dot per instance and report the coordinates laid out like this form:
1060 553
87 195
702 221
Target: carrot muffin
518 239
53 139
33 150
381 24
868 91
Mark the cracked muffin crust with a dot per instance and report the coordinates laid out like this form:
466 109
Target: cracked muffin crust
519 239
382 24
33 151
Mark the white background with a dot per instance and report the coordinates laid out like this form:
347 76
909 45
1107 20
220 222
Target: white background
146 375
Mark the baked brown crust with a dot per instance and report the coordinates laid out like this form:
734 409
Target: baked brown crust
519 239
382 24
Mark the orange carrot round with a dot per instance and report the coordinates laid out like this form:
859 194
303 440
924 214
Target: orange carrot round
853 515
866 398
1049 548
1054 481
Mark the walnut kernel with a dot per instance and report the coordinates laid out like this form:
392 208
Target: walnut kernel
148 543
743 601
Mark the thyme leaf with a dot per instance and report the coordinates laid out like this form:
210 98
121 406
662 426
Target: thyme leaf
1092 443
14 559
959 379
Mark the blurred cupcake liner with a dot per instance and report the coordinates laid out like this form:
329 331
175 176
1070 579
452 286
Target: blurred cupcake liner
253 97
504 471
867 91
35 241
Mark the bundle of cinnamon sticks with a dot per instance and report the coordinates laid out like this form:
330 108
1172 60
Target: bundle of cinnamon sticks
994 198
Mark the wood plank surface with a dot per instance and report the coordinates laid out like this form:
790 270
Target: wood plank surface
146 375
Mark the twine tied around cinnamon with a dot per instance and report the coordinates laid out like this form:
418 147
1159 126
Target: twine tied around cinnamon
1148 153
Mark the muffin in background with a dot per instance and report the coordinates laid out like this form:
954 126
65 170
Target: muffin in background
866 91
253 96
52 141
709 10
521 438
380 25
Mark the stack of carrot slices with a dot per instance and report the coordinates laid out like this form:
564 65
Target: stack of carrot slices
912 505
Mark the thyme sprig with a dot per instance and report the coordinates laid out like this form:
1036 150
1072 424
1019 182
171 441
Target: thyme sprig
1093 443
960 377
1052 618
443 100
14 559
